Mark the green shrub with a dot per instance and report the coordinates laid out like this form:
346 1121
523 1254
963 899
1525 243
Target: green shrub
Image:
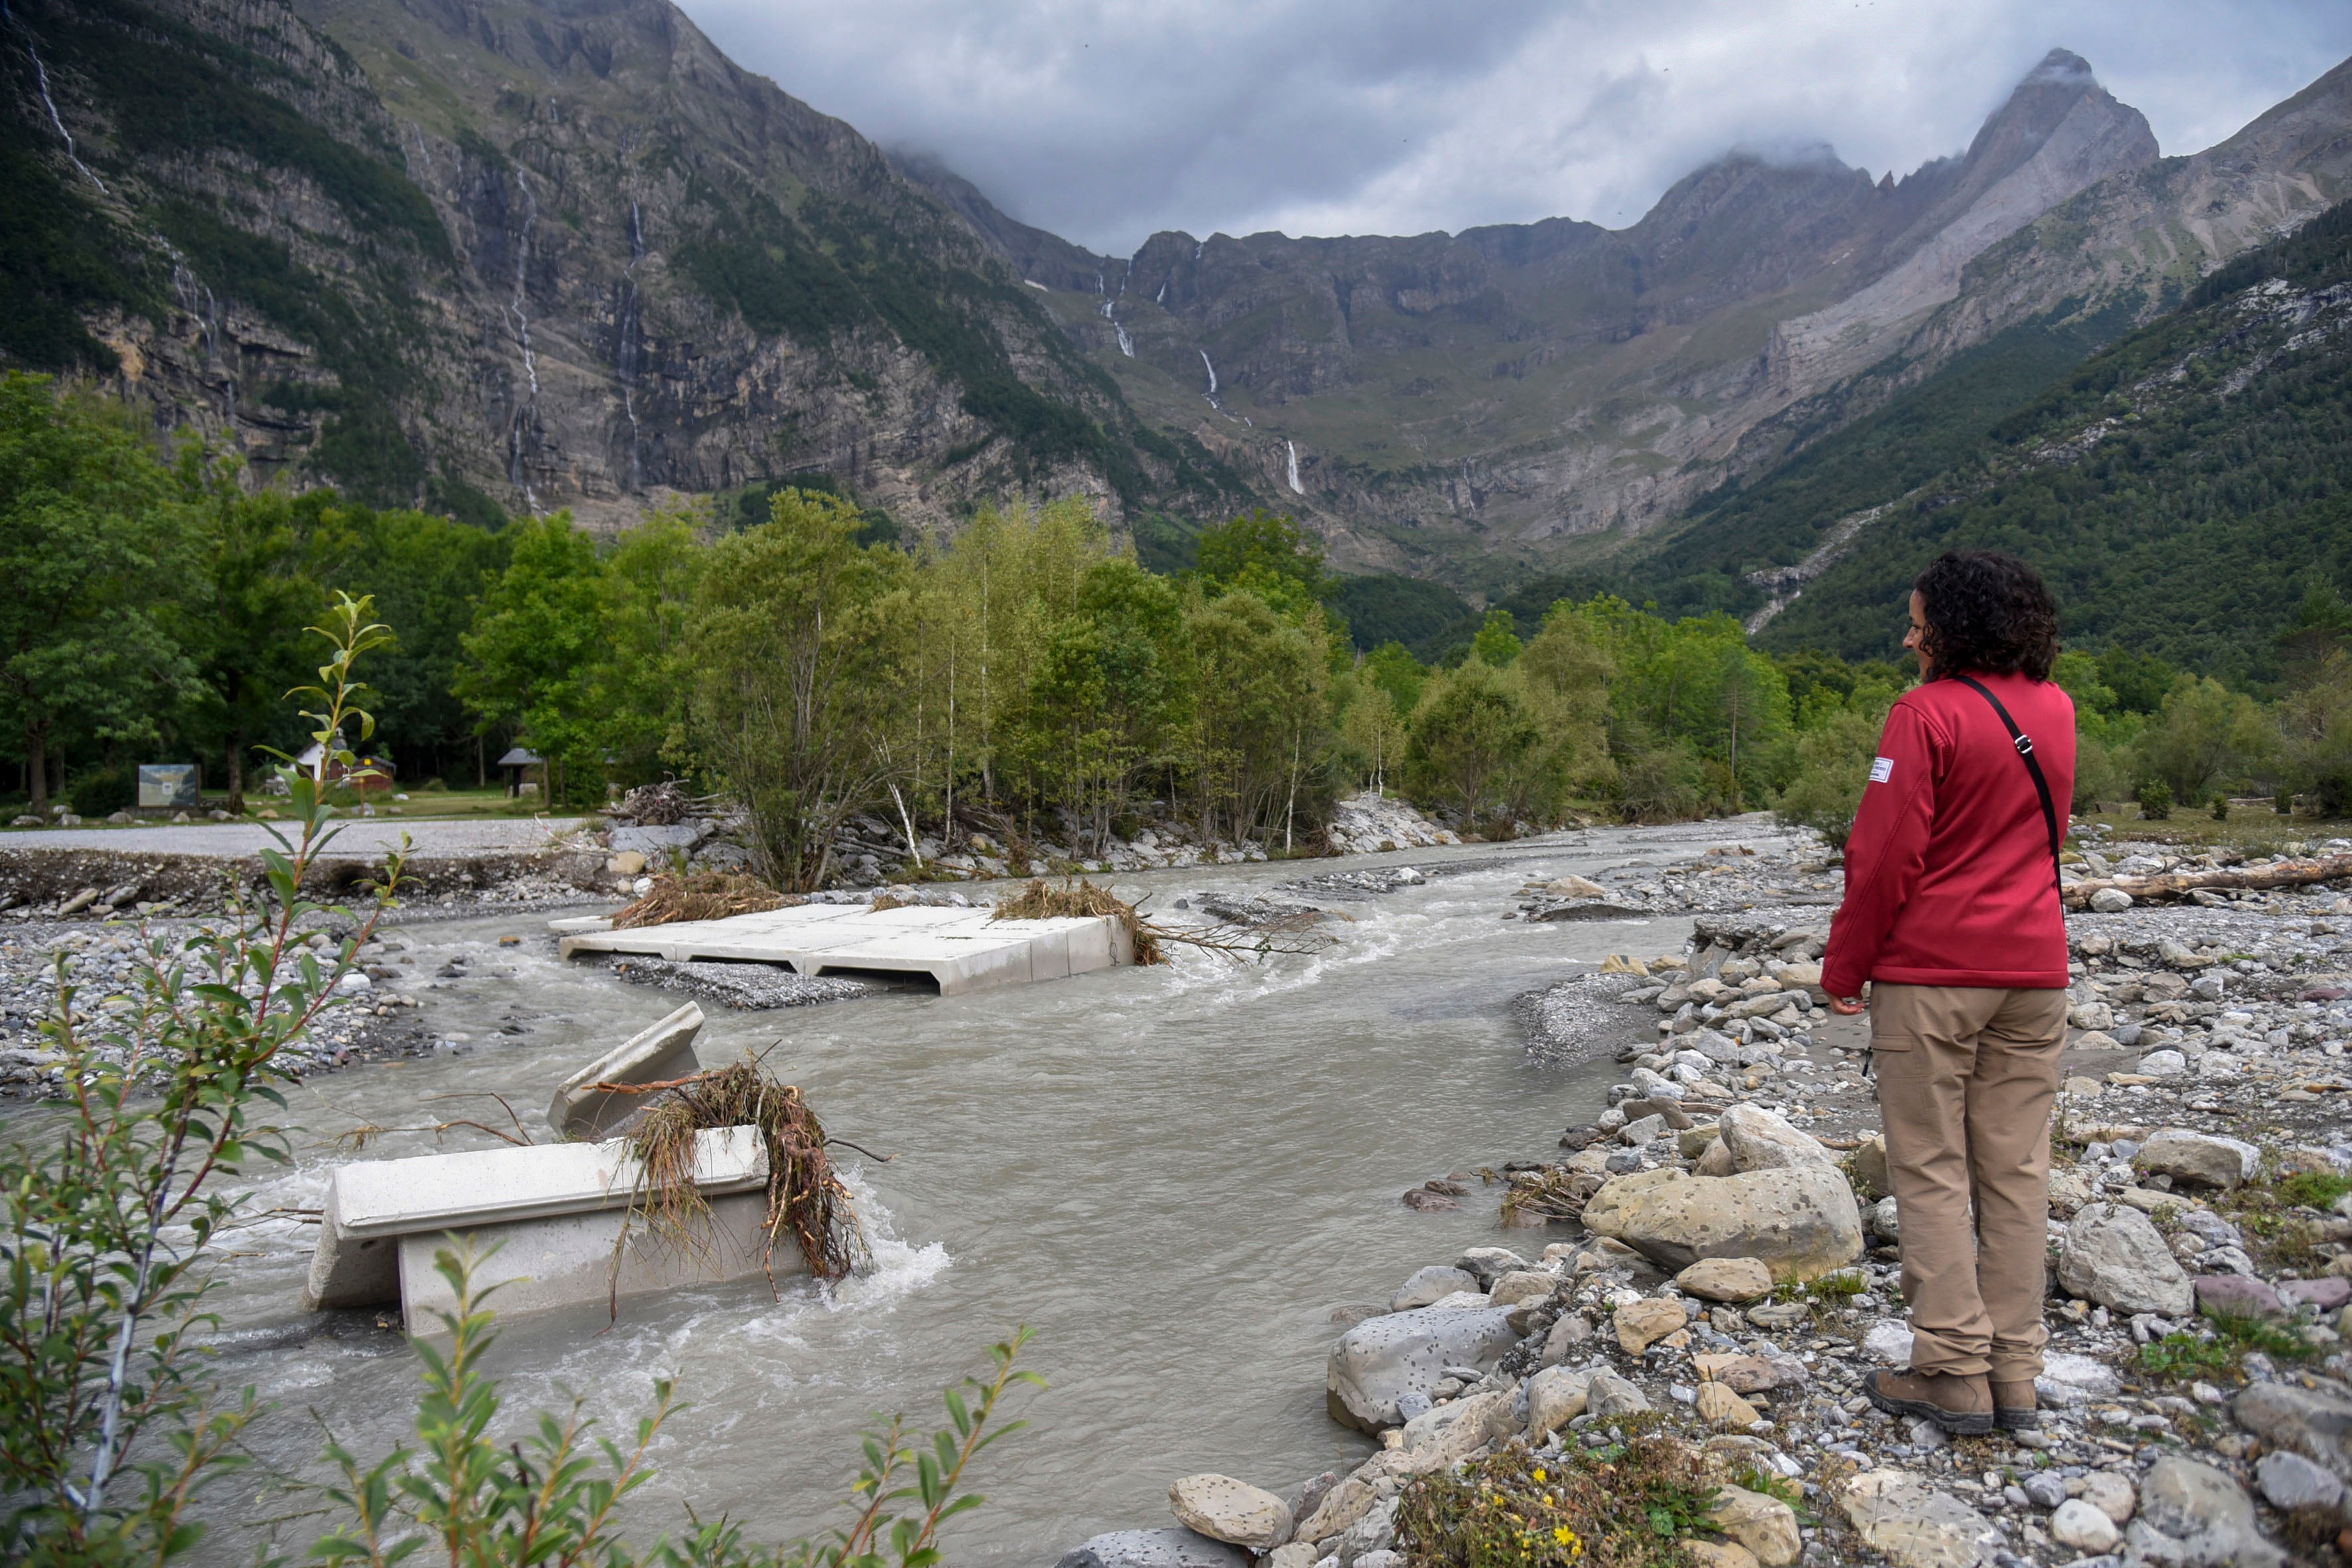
2155 801
1627 1505
2220 807
102 792
2283 803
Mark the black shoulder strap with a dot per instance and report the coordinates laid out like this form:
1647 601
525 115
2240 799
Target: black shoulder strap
2024 744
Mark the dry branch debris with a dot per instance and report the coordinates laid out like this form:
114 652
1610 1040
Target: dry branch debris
700 896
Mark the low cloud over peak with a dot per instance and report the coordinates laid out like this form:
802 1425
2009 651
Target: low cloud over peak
1106 121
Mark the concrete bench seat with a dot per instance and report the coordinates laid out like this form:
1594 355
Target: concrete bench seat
961 948
558 1214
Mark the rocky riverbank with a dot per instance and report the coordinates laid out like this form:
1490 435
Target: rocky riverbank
1707 1270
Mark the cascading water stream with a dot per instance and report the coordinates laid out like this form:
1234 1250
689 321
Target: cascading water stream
1213 378
626 354
1293 449
519 319
57 121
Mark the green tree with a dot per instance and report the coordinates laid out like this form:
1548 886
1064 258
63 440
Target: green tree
535 647
2203 735
637 688
1833 760
265 565
93 543
1269 554
2317 722
1496 643
1475 749
427 575
795 695
1261 720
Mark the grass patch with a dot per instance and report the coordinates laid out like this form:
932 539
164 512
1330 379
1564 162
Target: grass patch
1628 1505
2180 1358
2311 1189
1837 1287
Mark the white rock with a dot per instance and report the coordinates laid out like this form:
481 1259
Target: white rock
2070 1379
2111 1494
1556 1396
2115 1256
2164 1064
2111 900
1223 1509
2291 1481
2077 1525
1432 1284
1890 1343
1760 1140
2203 1159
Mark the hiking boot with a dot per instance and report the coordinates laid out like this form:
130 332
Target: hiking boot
2013 1407
1961 1405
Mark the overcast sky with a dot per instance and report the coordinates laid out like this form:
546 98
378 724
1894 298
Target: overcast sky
1106 121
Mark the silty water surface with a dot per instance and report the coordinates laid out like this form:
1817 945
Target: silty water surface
1172 1174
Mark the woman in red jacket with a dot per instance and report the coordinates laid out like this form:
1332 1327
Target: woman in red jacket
1952 915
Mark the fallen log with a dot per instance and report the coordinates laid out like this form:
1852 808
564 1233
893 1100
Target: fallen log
2154 889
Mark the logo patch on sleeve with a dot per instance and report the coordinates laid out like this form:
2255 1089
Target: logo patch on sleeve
1881 768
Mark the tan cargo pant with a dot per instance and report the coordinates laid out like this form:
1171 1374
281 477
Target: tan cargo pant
1967 1079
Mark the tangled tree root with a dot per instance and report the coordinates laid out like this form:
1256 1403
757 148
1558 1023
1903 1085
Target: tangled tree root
805 1198
700 896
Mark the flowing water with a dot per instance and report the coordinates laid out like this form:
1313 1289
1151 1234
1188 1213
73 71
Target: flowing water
1172 1174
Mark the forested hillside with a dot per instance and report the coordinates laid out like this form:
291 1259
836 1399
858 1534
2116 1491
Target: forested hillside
2183 488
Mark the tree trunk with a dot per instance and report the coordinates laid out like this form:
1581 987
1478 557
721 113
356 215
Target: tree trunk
2285 874
237 774
37 766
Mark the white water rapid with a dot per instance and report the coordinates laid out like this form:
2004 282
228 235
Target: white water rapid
1293 449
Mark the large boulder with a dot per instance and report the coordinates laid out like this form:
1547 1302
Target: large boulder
2199 1517
1761 1139
1459 1428
1610 1395
1168 1548
2198 1159
2309 1421
1800 1221
1223 1509
2115 1256
1401 1355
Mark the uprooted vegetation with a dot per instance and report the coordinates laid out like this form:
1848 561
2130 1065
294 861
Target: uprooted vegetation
1042 901
699 896
805 1198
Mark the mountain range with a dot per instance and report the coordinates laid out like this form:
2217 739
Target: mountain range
528 254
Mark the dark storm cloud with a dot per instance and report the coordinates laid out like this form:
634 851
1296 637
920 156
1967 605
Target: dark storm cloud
1105 121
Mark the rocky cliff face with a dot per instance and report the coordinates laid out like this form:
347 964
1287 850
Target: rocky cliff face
557 254
565 253
1454 398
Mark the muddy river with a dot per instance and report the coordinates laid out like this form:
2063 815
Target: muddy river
1172 1174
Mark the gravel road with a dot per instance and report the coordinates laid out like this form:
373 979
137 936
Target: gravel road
368 836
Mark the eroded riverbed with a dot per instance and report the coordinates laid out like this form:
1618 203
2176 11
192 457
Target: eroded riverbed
1172 1174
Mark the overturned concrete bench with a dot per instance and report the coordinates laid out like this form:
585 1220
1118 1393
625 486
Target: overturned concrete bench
961 948
584 1113
558 1212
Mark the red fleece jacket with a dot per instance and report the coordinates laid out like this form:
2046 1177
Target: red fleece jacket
1947 873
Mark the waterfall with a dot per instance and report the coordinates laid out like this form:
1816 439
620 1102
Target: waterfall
626 352
1162 298
1295 485
1125 343
519 318
1198 248
1213 375
426 153
41 74
1107 305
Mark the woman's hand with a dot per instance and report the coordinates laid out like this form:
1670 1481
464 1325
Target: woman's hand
1848 1005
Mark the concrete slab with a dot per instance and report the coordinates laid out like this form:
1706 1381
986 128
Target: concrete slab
535 1200
961 948
580 1113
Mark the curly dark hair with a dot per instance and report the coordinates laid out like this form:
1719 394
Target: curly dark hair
1987 612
